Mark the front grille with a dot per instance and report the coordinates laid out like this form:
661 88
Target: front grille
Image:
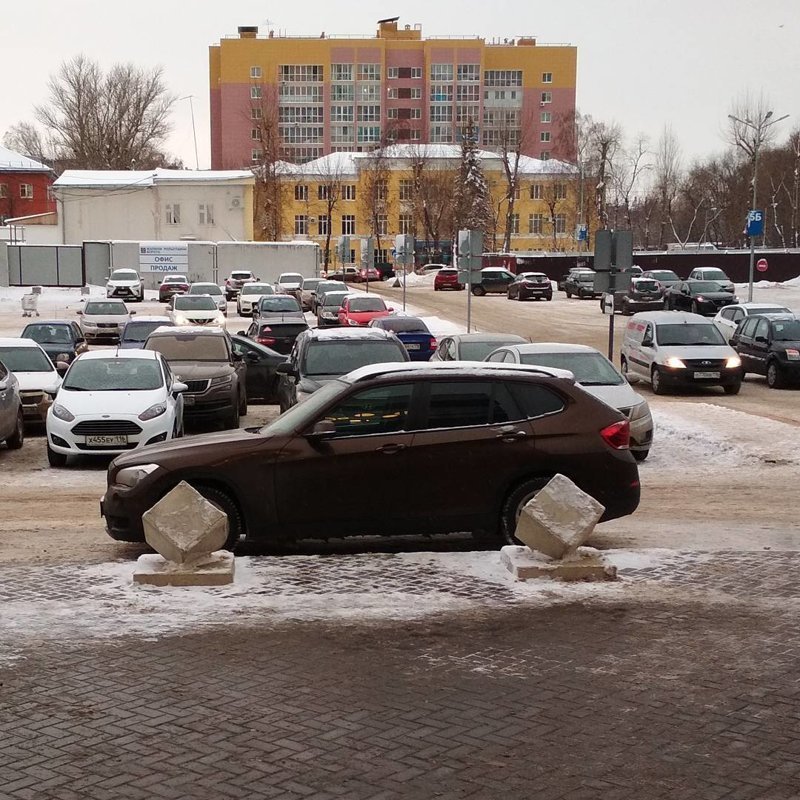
106 427
110 448
107 325
195 387
704 363
200 321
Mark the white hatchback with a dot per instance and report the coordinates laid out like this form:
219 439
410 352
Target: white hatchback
114 401
249 295
38 378
729 317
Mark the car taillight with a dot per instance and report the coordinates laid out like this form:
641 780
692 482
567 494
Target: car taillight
265 340
617 435
433 344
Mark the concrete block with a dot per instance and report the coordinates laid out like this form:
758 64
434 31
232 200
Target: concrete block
585 564
559 519
216 569
183 526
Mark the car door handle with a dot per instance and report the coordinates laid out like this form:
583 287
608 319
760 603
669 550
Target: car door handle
391 449
511 435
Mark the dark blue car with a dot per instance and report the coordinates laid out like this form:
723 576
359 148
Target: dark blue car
412 332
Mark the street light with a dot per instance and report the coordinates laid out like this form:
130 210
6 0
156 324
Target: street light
760 129
190 97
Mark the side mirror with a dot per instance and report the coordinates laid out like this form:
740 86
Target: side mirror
323 429
236 356
241 333
761 339
389 308
647 341
79 312
178 387
251 356
131 313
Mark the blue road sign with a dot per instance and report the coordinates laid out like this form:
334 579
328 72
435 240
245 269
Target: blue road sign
755 222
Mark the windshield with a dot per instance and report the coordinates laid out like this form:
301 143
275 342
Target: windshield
340 357
25 359
329 286
786 330
198 302
290 277
477 351
114 375
404 325
205 288
589 369
664 275
714 275
691 334
189 347
309 284
367 304
279 303
333 299
139 331
698 287
105 308
48 334
175 279
257 288
124 275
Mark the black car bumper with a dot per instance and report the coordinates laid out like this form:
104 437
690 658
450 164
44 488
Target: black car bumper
695 376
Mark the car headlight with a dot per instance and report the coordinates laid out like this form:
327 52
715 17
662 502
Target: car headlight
154 411
181 320
63 413
640 411
130 476
223 380
734 362
673 362
701 299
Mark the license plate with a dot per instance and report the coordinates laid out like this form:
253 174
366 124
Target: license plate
188 400
106 441
706 375
412 346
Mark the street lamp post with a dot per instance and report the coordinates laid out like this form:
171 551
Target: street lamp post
760 127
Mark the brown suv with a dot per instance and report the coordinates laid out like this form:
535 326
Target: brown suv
367 444
204 360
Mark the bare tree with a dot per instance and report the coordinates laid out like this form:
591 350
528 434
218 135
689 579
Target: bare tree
101 120
604 141
330 190
793 193
633 164
667 176
375 192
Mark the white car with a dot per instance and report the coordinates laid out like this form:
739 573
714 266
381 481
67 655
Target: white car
595 373
112 402
195 309
289 282
729 317
212 290
37 377
125 284
104 319
249 295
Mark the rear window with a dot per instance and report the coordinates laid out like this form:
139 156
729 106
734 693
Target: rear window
283 329
340 357
139 331
278 302
645 285
404 325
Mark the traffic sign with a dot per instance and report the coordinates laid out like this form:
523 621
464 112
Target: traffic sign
761 265
755 222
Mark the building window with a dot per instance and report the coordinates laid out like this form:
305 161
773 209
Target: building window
392 72
205 214
300 225
536 191
441 94
255 155
369 133
416 94
441 113
299 93
469 72
391 93
560 191
547 77
26 191
382 225
300 73
369 113
348 192
301 192
255 92
514 223
301 115
544 136
468 94
173 213
255 134
369 93
416 72
323 224
369 72
341 72
342 133
301 134
442 134
545 117
467 114
441 72
322 191
560 223
342 113
547 97
545 156
256 113
503 77
415 135
3 190
381 190
535 223
348 224
391 113
342 94
255 72
406 223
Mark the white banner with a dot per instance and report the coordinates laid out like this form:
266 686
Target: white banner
164 257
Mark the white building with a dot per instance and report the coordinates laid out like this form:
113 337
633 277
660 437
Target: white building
155 205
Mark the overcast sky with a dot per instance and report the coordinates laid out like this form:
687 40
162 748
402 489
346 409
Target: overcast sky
642 63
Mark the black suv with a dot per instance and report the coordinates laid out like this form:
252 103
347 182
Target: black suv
203 359
371 447
494 280
769 345
644 294
581 284
321 355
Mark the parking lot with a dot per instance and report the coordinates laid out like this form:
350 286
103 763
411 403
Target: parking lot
416 668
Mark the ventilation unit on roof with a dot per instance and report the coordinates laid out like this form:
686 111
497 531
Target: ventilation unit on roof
235 202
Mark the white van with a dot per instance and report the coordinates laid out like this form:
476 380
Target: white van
674 348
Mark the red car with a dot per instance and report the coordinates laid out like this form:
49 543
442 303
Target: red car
447 278
366 274
172 285
360 310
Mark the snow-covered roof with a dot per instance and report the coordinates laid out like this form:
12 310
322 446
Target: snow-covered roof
16 162
116 179
338 165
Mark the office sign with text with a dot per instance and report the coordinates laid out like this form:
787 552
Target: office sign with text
164 257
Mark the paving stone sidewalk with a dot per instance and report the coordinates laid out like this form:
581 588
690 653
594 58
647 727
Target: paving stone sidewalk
683 685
